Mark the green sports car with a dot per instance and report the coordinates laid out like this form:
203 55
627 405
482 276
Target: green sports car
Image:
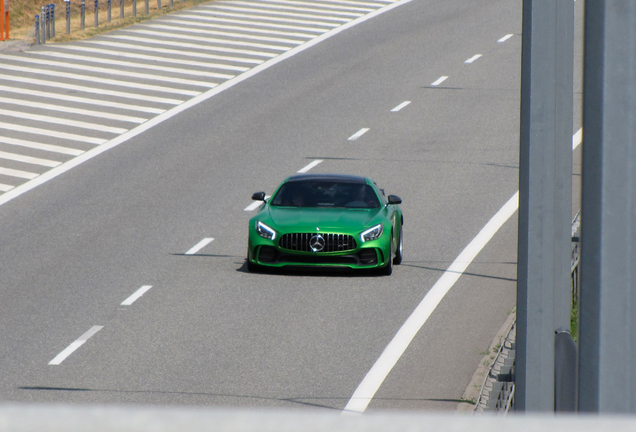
328 220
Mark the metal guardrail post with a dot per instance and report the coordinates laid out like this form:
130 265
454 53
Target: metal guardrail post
134 8
108 9
37 29
52 20
171 3
83 15
96 13
43 25
47 22
147 6
68 16
121 8
158 4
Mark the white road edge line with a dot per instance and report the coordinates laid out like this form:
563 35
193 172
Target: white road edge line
400 106
137 294
400 342
196 248
51 174
505 38
473 58
358 134
439 80
75 345
310 166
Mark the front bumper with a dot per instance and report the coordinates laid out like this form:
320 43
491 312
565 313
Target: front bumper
367 255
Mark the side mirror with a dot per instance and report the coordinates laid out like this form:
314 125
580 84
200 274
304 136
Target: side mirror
394 199
258 196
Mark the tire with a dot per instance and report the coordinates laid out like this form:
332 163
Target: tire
397 260
387 270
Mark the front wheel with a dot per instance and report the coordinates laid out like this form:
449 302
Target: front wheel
397 260
387 270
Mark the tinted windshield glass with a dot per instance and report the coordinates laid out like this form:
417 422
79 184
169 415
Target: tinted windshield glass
320 193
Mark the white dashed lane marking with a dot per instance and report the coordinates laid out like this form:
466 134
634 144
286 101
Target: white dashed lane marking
75 345
473 58
400 106
439 80
137 294
310 166
505 38
196 248
358 134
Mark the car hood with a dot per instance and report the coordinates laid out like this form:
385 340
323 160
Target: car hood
303 219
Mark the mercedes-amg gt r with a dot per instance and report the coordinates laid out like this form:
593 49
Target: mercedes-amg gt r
328 220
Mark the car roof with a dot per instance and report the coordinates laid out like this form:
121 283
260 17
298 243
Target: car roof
344 178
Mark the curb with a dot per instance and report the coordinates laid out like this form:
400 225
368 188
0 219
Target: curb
472 392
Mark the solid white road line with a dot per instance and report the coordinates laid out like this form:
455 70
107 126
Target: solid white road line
358 134
236 21
39 146
505 38
112 71
473 58
400 106
18 173
181 28
46 132
59 85
155 41
214 40
439 80
394 350
94 80
111 62
29 159
69 110
75 345
237 28
82 100
5 188
310 166
196 248
69 165
62 121
137 56
400 342
133 298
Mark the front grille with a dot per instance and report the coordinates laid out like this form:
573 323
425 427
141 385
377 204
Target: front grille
300 242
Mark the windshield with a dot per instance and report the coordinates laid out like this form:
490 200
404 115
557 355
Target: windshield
321 193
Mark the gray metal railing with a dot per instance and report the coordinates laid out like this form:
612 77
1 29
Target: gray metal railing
498 389
79 9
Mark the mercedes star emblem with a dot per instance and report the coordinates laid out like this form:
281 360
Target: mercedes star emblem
317 243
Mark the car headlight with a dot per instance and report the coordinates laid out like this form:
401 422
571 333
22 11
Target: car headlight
265 231
372 233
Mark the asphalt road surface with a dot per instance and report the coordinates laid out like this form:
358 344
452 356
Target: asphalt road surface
422 97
